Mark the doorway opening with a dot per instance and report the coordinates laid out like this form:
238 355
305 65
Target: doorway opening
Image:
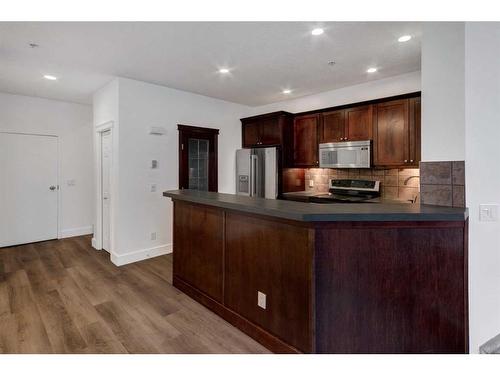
106 148
198 158
104 183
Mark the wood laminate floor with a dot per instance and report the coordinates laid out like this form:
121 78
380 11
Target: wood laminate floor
63 296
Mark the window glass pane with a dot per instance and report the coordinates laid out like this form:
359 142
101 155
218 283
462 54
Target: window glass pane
198 163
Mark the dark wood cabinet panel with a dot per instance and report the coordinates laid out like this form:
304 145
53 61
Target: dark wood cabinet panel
198 240
251 133
305 141
266 130
393 124
331 287
392 289
332 128
270 129
276 259
415 130
359 123
391 134
270 132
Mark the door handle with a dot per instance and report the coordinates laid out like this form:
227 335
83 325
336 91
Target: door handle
52 187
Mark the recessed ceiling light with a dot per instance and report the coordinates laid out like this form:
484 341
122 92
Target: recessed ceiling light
371 70
317 31
404 38
49 77
224 70
287 91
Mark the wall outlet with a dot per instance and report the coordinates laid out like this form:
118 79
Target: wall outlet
488 212
153 188
261 300
153 236
71 182
311 183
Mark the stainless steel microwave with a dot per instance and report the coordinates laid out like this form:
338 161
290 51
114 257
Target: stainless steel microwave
345 154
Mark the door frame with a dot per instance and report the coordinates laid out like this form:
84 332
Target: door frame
59 205
206 133
97 238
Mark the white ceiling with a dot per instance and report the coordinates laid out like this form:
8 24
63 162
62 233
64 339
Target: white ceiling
264 57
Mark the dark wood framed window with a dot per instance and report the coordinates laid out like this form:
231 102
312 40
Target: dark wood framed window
198 158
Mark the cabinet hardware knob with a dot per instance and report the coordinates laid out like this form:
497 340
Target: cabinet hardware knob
406 161
346 138
341 138
411 161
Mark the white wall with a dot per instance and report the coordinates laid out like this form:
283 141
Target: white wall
142 105
72 123
391 86
482 153
443 95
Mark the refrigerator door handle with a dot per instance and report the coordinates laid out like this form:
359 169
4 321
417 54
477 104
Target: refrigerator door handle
253 175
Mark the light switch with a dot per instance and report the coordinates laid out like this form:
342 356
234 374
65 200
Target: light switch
153 188
261 300
154 164
311 183
488 212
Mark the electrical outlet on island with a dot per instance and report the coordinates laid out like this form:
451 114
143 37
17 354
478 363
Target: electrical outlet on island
261 300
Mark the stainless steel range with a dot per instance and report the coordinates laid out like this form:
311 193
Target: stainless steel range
349 191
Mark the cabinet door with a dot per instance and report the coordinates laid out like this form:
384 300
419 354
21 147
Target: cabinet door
305 141
391 138
359 123
251 134
332 127
414 131
198 243
270 132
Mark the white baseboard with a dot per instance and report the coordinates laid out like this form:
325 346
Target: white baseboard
138 255
94 243
73 232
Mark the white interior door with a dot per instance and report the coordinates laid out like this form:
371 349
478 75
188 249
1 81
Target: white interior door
106 148
28 188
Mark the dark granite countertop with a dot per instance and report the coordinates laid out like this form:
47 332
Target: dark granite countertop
301 211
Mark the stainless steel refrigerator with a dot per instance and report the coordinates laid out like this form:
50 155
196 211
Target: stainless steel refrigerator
257 172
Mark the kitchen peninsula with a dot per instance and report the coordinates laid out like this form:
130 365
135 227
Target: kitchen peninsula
335 278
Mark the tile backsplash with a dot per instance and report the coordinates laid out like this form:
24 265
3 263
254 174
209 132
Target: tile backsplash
443 183
394 183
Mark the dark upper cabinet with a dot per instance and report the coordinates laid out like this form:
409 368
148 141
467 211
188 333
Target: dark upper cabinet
271 129
414 129
332 128
392 124
251 133
359 123
396 140
265 130
305 141
351 124
391 141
